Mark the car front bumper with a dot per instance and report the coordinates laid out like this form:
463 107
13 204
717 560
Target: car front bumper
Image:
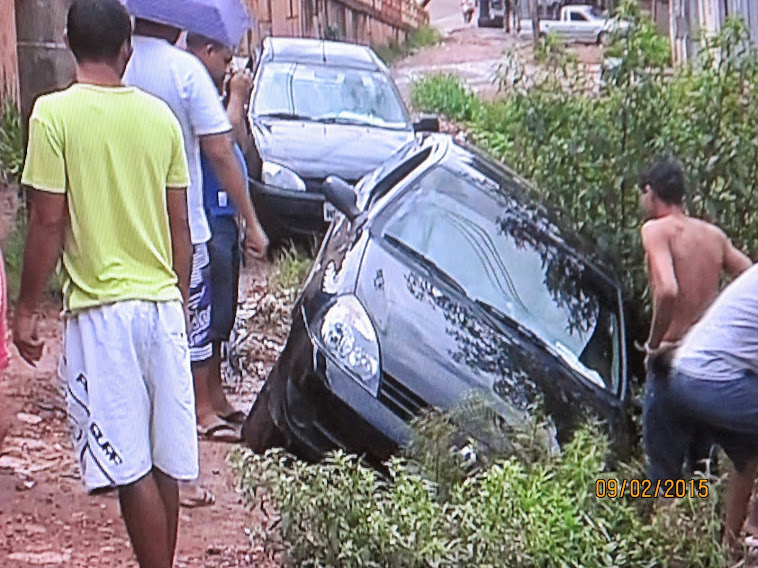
286 213
318 407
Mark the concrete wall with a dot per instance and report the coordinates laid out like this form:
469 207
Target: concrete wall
8 54
45 64
373 22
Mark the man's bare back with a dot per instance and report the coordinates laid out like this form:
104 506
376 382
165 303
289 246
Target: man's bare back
685 259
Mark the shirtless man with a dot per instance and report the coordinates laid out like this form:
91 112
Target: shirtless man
685 256
685 261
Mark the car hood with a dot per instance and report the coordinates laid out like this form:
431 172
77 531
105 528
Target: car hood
315 150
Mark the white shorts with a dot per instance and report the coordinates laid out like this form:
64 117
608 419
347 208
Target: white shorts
131 403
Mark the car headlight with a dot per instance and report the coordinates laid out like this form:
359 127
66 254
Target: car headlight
284 178
349 337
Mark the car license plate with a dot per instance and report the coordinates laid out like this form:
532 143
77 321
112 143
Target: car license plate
329 212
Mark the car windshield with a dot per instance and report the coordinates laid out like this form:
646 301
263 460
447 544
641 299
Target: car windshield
329 94
511 261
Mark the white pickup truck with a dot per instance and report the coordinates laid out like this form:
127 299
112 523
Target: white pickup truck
580 23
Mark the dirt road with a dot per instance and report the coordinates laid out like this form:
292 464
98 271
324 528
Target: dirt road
47 519
474 54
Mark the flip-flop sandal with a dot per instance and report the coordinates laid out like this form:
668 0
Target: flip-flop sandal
236 417
204 498
220 432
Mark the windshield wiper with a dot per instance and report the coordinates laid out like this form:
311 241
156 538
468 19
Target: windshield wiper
428 263
358 122
285 116
502 317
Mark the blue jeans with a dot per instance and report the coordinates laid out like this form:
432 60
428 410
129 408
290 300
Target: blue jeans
678 407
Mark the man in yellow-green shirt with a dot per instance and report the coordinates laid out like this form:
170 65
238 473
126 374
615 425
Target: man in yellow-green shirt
107 175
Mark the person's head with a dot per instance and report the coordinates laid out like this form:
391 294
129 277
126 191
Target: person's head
215 55
99 31
663 187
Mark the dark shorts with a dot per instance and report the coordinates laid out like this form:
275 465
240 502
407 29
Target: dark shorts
224 253
678 408
199 305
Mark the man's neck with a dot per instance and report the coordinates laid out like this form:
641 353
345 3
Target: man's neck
670 211
100 74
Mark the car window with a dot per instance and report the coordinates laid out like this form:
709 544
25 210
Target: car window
328 93
503 258
578 17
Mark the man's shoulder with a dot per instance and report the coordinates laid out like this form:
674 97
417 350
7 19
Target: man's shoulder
153 104
656 227
48 103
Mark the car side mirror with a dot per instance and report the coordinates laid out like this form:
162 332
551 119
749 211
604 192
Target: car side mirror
342 195
427 123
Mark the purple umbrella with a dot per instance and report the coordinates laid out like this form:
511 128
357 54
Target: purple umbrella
225 21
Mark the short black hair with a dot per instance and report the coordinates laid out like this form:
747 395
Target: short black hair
97 29
665 177
198 41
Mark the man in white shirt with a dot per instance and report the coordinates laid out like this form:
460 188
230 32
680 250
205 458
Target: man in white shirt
711 388
179 79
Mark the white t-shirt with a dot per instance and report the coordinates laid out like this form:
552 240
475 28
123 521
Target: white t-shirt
724 343
181 80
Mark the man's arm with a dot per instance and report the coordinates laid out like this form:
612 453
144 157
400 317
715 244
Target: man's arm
663 284
240 86
181 242
44 242
218 149
735 262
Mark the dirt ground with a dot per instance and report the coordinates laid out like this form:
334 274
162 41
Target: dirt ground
474 54
46 517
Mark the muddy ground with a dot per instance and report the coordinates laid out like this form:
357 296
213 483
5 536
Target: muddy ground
47 519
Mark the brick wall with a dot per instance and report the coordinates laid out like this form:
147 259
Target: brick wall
8 54
373 22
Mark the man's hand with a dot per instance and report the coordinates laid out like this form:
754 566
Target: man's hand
25 336
256 242
241 84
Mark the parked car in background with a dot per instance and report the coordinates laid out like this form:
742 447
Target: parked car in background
439 278
582 24
319 108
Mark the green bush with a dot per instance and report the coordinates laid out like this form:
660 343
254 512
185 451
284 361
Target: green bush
416 39
445 94
290 269
584 143
539 513
11 141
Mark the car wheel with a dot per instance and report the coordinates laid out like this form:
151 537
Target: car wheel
259 431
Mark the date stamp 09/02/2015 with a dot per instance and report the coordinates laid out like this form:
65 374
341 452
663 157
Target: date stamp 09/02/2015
647 489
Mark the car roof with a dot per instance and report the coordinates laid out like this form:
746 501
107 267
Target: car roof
307 50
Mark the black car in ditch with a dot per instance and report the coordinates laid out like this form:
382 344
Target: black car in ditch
319 108
442 277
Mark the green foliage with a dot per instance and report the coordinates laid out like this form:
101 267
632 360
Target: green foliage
13 253
445 94
416 39
11 142
583 143
291 267
509 512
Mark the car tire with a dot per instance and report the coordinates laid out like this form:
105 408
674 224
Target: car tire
260 432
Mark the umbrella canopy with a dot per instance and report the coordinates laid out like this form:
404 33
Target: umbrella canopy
225 21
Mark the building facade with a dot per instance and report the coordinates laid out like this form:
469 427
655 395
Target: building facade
372 22
692 20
